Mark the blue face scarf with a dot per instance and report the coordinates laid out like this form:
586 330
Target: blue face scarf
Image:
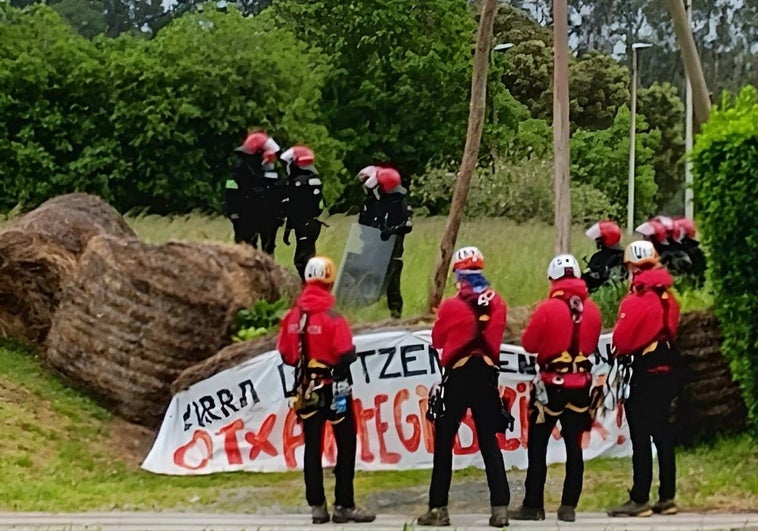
474 278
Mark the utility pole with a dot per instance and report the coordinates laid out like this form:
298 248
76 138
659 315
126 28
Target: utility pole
633 139
689 206
692 66
470 152
561 155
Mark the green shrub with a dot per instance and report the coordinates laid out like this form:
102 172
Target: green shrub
608 298
520 192
258 320
725 162
601 159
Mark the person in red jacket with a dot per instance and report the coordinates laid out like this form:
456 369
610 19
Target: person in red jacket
318 342
467 334
563 331
644 337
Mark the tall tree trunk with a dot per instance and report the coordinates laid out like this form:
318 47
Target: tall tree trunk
561 128
470 152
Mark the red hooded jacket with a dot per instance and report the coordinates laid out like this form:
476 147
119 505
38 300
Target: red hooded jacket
647 314
328 335
551 328
457 325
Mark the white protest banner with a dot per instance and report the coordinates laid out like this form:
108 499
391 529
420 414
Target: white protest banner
239 419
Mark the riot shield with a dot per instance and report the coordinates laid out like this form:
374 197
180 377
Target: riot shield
363 267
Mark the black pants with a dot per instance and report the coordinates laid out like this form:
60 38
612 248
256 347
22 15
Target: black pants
306 235
647 412
394 272
345 436
471 386
255 231
573 425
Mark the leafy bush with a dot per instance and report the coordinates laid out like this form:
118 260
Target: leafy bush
608 298
725 161
258 320
520 192
601 159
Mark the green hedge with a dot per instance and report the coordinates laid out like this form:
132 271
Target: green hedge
725 160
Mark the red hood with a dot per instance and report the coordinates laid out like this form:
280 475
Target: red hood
315 298
652 278
569 287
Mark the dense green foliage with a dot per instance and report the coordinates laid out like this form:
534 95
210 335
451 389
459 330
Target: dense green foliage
601 159
399 87
725 162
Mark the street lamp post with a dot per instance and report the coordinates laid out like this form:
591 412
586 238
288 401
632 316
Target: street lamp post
500 48
632 135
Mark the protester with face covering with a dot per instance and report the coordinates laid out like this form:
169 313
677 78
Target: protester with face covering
467 333
386 209
303 204
563 331
318 342
644 336
255 194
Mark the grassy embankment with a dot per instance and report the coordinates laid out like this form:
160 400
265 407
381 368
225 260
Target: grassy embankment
62 452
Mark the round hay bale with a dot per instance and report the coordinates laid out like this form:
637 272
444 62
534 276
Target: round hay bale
711 403
134 316
228 357
39 250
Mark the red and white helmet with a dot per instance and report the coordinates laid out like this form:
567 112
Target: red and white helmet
608 232
388 178
367 177
468 258
260 142
320 269
683 228
299 156
654 230
564 265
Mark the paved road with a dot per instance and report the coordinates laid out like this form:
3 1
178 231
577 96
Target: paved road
238 522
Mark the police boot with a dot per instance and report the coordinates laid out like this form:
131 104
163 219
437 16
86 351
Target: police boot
528 513
436 517
499 516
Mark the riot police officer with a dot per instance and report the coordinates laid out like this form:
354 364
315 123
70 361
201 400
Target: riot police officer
303 204
608 261
386 209
255 195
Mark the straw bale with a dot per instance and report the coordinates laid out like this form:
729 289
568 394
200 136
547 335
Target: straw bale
134 316
39 250
228 357
711 402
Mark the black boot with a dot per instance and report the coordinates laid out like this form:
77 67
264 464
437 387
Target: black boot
528 513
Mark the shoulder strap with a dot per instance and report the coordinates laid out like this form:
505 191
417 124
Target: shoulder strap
576 310
481 308
301 373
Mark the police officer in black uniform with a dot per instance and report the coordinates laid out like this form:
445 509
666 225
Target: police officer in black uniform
386 209
303 204
255 195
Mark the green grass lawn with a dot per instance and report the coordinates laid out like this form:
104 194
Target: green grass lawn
60 451
516 255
